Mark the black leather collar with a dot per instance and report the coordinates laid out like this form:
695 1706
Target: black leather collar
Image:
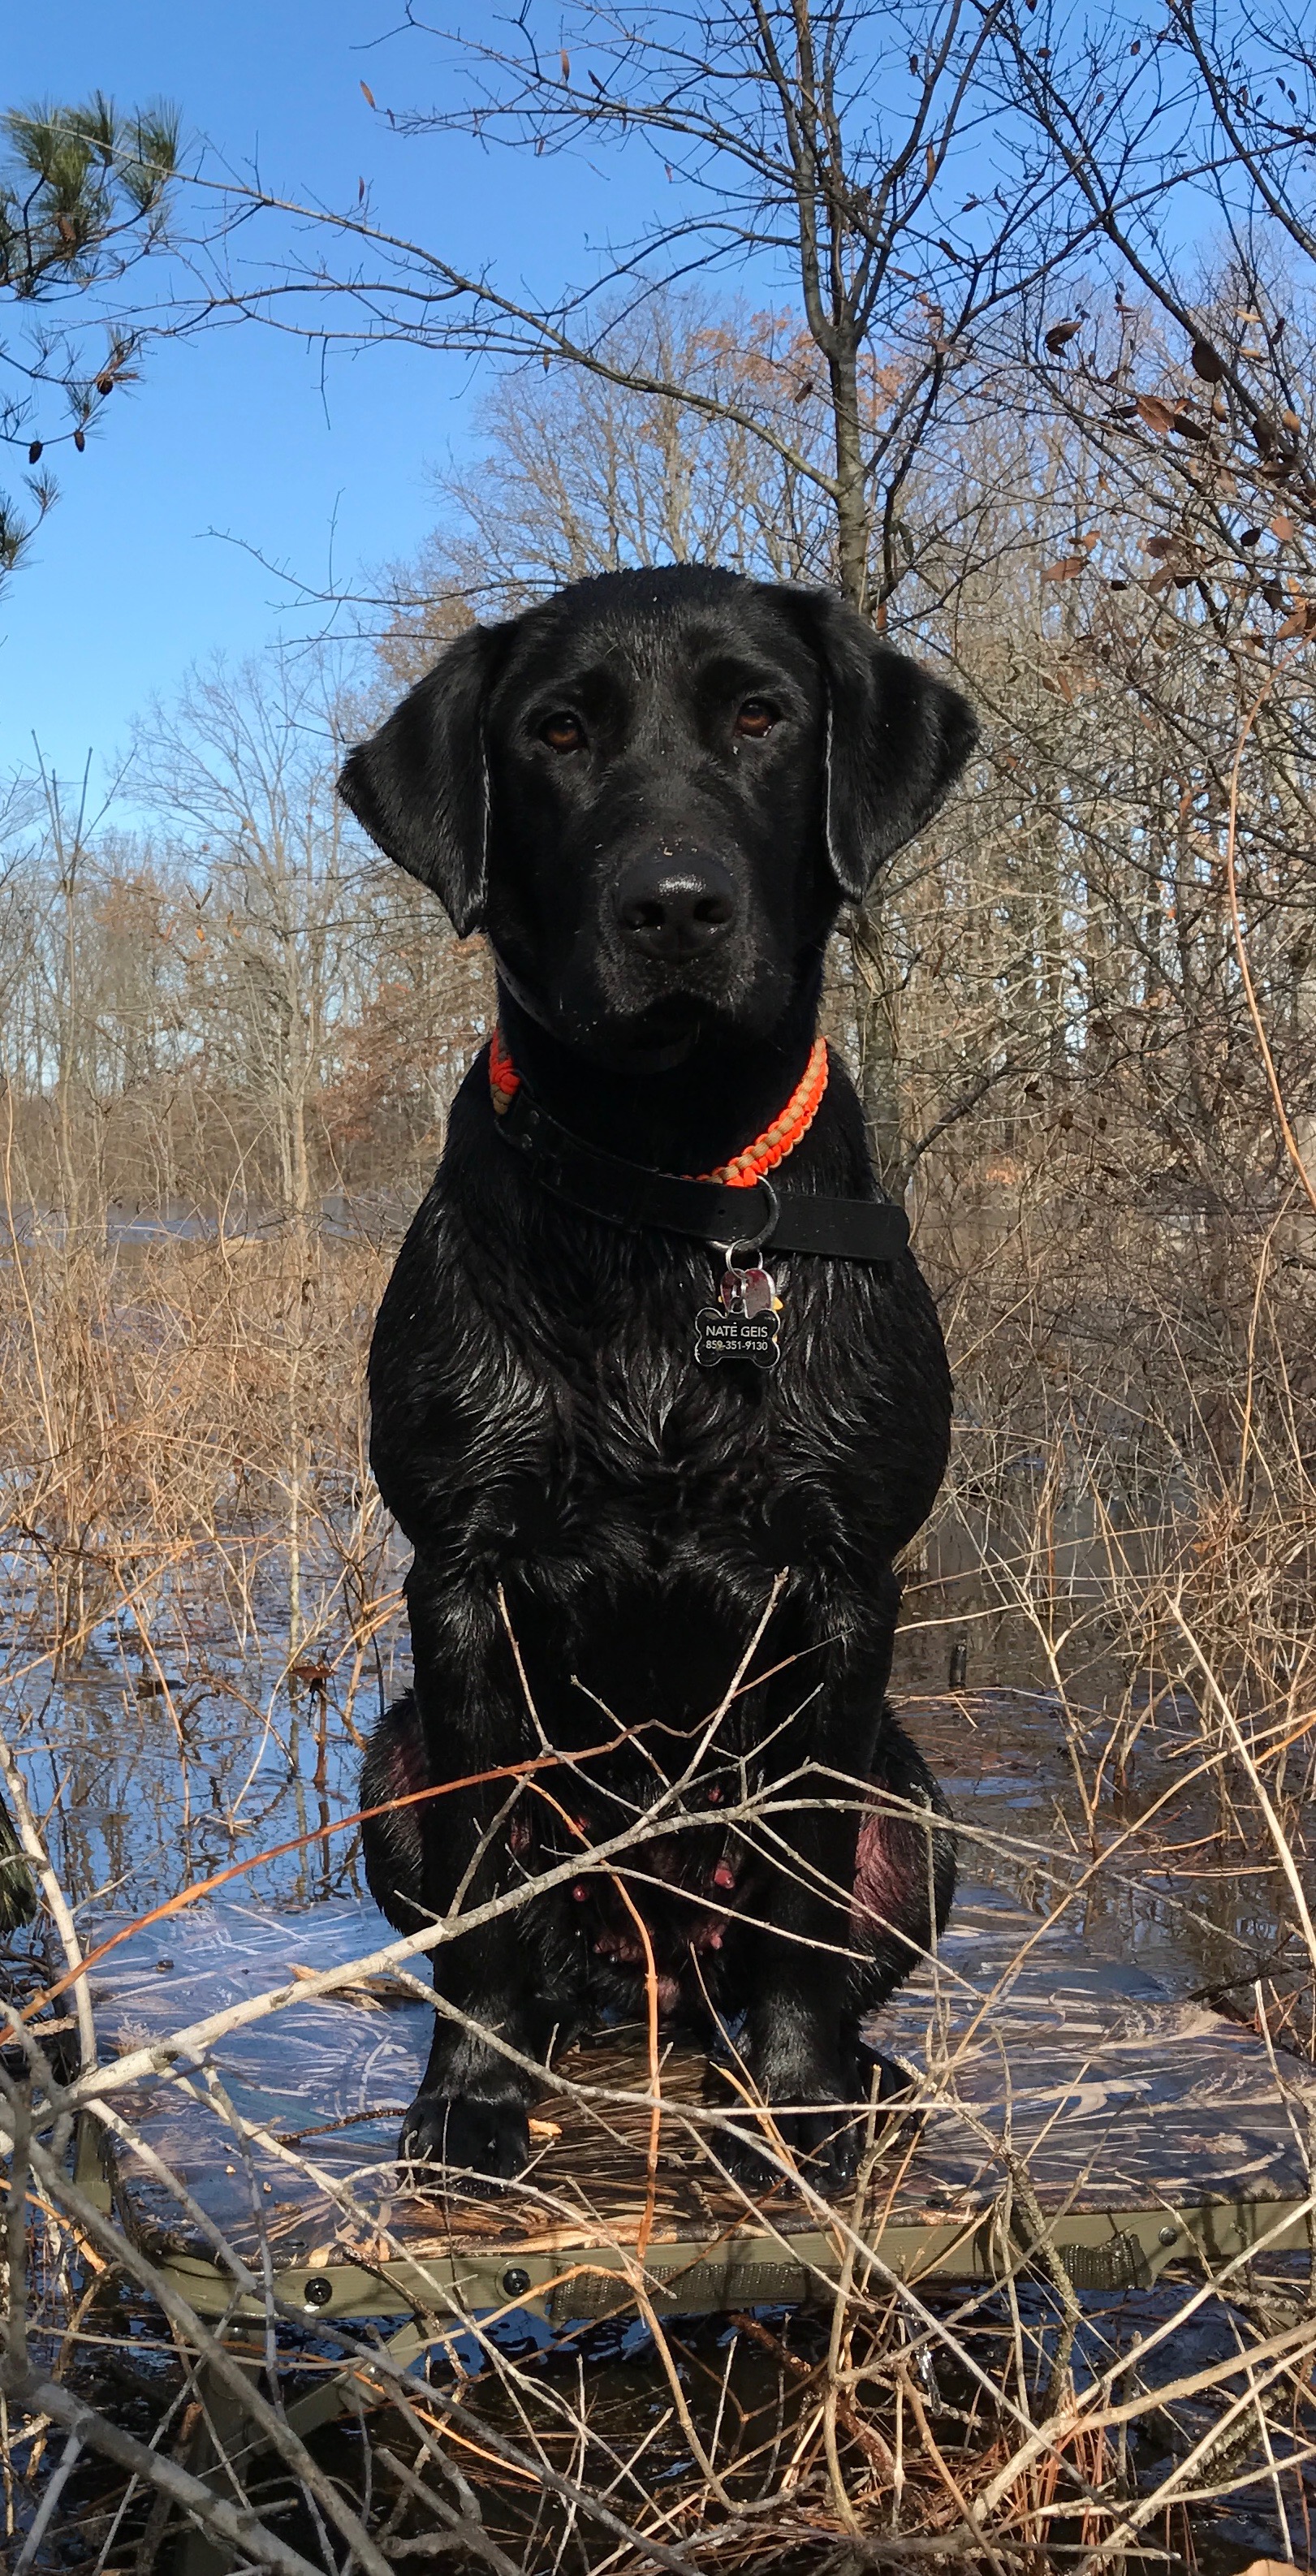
632 1195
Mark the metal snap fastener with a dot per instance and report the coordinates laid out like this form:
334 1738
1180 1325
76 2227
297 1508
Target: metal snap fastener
319 2290
1168 2235
516 2281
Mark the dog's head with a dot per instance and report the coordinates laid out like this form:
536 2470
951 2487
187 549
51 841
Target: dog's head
654 790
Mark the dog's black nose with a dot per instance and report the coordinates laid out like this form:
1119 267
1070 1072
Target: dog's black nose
675 908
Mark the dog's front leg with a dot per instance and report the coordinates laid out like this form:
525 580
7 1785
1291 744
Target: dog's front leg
798 2047
505 1978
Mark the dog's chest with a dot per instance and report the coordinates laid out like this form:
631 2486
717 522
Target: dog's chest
638 1431
544 1405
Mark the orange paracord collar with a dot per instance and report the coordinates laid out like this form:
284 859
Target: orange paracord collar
744 1169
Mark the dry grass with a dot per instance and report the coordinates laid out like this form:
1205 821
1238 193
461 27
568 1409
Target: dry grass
189 1403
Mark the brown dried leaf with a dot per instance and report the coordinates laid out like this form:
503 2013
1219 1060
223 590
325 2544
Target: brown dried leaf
565 60
1067 570
1156 414
1281 526
1302 622
1160 546
1207 362
1059 333
368 94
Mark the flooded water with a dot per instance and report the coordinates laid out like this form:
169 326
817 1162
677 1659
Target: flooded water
130 1224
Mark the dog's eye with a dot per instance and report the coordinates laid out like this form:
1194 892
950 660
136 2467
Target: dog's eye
563 731
756 718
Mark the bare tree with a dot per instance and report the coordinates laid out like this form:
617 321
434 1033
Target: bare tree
243 765
583 474
1161 133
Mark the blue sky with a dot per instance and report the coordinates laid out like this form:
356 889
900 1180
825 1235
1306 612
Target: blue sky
125 584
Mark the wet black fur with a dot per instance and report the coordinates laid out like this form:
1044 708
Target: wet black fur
540 1428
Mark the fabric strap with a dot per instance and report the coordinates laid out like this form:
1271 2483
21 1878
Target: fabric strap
631 1195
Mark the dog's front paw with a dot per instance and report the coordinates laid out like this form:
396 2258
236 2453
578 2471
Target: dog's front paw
815 2123
485 2143
822 2144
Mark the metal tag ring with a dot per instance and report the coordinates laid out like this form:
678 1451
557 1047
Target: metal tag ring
754 1242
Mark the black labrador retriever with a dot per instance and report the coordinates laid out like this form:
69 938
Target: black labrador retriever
607 1439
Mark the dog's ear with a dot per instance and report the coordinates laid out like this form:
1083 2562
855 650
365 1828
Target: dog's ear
897 740
421 786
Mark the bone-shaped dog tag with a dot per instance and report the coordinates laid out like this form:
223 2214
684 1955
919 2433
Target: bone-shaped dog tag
720 1336
746 1324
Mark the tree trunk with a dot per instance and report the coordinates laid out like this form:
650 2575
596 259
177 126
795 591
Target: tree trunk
852 513
879 1044
300 1158
876 980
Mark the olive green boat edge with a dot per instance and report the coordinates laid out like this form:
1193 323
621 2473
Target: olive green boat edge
1105 2250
